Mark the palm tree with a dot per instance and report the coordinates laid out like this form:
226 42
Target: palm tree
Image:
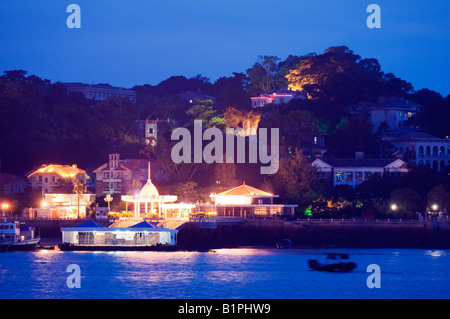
79 187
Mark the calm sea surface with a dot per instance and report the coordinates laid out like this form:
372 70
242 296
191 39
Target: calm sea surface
223 273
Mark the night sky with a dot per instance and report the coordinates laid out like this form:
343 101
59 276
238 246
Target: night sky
127 43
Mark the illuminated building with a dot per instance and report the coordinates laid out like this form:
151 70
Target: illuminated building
246 201
352 172
49 177
276 97
149 203
62 203
93 236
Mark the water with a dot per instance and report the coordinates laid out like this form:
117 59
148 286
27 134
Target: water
223 273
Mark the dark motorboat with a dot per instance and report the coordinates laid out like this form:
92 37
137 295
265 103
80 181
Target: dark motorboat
336 266
284 243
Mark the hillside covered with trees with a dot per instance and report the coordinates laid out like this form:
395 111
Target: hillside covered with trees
41 122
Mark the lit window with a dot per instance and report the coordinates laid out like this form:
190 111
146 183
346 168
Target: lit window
339 177
348 176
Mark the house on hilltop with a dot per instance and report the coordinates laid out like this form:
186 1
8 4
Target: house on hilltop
389 113
276 97
101 92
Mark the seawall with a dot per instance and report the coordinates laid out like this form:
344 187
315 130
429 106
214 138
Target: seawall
303 234
319 234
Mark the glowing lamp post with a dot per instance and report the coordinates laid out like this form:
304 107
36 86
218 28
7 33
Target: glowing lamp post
4 206
394 207
434 207
108 199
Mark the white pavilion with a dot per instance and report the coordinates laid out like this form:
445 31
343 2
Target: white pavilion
150 204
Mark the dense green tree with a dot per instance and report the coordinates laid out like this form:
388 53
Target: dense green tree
352 135
439 195
230 92
295 126
341 75
433 118
41 122
264 75
405 202
175 85
204 110
296 178
225 174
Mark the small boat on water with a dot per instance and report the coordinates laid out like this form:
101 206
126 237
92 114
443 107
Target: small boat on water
14 237
336 266
284 243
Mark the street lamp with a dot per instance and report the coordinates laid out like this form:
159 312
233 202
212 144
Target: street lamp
108 199
4 206
434 207
394 207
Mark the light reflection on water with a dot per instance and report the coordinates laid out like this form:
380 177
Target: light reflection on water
223 273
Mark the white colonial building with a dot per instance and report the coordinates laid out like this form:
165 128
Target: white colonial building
423 149
101 92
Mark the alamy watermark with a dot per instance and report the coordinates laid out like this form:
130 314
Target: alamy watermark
258 148
74 279
374 280
74 19
374 19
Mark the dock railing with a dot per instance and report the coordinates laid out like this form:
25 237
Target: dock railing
362 220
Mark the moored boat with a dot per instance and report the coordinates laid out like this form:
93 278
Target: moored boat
14 237
284 243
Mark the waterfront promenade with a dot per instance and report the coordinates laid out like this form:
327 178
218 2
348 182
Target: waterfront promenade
205 233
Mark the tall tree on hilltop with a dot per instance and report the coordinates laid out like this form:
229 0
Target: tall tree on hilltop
341 75
264 75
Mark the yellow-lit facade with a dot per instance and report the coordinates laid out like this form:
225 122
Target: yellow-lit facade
49 177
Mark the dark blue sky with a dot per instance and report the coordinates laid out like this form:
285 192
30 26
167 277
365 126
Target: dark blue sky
125 43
